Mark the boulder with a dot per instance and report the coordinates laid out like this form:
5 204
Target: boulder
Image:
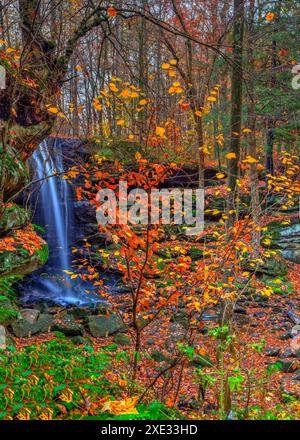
290 388
296 375
20 263
286 238
8 311
295 346
295 330
24 328
30 315
287 366
122 339
77 340
272 352
2 337
67 325
105 325
13 217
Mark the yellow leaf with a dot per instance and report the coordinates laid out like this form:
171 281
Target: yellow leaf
165 66
53 110
171 73
250 159
198 113
119 407
220 175
160 131
230 156
120 122
113 87
173 62
126 93
138 155
173 90
211 98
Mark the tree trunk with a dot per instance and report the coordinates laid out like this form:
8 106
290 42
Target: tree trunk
236 111
255 203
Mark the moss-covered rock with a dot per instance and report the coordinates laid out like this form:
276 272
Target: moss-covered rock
20 262
16 173
67 325
13 217
25 328
285 236
8 311
120 150
103 326
274 266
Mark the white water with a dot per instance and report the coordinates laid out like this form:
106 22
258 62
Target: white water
53 212
54 207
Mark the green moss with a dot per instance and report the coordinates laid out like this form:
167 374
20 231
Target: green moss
20 263
13 217
8 310
7 316
16 172
44 254
116 150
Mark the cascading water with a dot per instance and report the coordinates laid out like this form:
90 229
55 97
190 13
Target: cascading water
53 210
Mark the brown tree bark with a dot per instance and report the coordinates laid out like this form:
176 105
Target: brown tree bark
236 111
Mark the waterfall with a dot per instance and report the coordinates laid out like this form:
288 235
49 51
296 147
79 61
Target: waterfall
53 206
54 209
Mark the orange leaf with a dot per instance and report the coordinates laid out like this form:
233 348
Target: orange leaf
112 12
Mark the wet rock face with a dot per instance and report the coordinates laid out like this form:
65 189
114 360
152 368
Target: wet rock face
85 221
289 242
286 239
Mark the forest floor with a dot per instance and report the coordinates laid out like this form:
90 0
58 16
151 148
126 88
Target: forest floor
262 339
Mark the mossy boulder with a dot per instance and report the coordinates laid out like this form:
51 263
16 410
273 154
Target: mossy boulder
285 236
16 173
20 262
274 266
105 325
67 325
26 327
8 311
13 217
122 339
120 150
